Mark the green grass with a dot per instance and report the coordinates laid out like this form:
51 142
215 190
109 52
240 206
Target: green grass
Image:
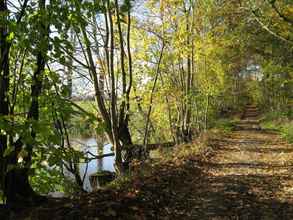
225 125
281 122
287 131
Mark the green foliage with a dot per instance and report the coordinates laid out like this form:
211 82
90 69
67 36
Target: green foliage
275 116
120 182
45 180
49 170
86 125
1 197
81 127
274 89
225 125
281 122
287 131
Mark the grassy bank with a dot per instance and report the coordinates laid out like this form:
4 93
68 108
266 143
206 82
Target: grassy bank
281 122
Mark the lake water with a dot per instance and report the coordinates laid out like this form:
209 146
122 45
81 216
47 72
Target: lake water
106 163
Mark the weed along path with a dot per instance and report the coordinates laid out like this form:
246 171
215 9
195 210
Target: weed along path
246 174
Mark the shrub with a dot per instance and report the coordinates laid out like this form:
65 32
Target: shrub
275 116
224 125
287 131
280 121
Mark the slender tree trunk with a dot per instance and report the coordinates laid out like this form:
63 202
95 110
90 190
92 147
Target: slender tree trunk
206 112
115 114
145 139
123 127
185 129
68 69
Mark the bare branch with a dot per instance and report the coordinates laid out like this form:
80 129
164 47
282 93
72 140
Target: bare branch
265 27
281 15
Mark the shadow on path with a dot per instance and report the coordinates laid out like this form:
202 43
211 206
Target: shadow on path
248 177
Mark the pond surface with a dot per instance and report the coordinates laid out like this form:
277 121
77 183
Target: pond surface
106 163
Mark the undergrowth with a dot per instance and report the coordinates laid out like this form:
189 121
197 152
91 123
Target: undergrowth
163 157
225 124
281 122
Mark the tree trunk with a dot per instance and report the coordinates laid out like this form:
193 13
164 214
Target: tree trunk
69 68
206 113
18 189
114 110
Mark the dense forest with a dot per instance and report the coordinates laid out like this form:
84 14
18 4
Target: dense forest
126 109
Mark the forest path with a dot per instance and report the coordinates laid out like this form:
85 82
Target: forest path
249 177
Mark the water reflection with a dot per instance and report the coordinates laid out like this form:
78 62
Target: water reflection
106 163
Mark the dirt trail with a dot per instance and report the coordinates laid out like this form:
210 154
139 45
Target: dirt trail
250 177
